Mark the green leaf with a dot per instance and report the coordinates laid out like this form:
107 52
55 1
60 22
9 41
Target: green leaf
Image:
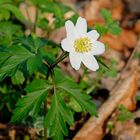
112 71
5 1
73 90
74 105
106 14
57 117
4 14
18 78
101 29
58 136
114 28
8 31
32 43
33 63
37 92
59 9
124 114
11 58
138 98
111 25
13 9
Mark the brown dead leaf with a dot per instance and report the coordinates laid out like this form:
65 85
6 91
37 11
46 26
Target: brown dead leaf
117 10
112 41
105 3
128 38
93 129
93 8
137 27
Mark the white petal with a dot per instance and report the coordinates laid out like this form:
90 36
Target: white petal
75 60
70 29
81 26
94 35
98 48
90 62
67 45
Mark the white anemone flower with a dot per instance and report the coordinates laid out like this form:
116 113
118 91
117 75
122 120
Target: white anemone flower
82 45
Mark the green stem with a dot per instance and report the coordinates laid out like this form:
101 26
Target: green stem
62 57
53 81
46 63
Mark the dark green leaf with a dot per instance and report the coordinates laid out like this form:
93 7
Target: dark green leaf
57 117
74 91
13 9
8 31
18 78
33 63
32 43
37 92
11 58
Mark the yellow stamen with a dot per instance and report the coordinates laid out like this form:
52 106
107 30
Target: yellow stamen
82 45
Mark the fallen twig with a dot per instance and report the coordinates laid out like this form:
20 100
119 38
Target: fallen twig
128 64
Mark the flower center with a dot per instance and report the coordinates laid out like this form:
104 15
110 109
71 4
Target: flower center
82 45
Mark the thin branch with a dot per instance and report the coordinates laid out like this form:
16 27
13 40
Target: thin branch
46 63
131 57
26 9
126 67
